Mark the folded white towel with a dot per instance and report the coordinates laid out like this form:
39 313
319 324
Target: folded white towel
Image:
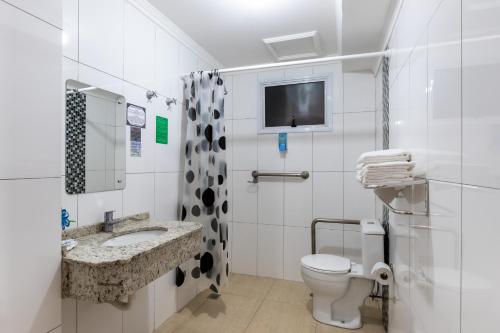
388 155
392 175
386 166
387 173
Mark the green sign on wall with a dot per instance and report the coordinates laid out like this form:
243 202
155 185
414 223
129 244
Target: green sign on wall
161 130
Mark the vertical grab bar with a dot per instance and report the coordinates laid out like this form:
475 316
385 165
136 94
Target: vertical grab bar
325 220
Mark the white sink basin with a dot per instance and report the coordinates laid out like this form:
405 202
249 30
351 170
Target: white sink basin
133 237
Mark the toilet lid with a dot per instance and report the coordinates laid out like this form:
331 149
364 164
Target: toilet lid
327 263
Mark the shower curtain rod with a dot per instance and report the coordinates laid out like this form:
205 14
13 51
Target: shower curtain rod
303 62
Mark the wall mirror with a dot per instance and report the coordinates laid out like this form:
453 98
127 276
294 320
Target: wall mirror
95 139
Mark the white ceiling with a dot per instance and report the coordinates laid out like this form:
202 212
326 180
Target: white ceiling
232 30
364 23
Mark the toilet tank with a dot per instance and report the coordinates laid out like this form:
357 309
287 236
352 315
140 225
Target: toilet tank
372 244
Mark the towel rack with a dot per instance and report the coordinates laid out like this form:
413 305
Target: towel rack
387 193
255 175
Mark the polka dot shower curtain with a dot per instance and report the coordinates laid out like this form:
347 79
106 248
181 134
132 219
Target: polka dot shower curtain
205 177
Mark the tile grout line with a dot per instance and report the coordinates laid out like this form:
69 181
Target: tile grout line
260 305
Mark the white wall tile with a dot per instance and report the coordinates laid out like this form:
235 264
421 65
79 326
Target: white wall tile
359 92
140 317
435 256
244 257
166 71
330 240
48 10
70 203
444 57
272 75
188 61
270 251
399 311
139 48
144 163
328 195
245 96
298 72
417 115
298 202
97 78
297 243
102 30
481 76
91 206
328 147
31 126
70 29
324 151
167 157
299 154
480 230
269 156
359 137
166 195
359 203
165 298
30 253
94 318
244 198
352 245
244 144
139 195
338 83
271 200
399 104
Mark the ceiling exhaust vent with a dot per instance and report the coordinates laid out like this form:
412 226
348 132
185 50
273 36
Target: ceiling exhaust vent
296 46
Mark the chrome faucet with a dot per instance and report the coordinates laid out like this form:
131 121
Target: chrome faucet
109 221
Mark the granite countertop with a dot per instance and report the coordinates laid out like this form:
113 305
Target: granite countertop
99 274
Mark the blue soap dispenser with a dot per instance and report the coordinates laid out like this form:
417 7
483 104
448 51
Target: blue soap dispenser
282 142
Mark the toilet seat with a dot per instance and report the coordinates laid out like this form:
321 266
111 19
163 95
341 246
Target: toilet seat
326 263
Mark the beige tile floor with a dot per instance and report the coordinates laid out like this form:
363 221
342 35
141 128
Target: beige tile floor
260 305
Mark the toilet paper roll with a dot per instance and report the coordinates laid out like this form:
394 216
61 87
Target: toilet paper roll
382 273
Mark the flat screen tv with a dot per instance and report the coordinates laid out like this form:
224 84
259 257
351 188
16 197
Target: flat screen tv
295 105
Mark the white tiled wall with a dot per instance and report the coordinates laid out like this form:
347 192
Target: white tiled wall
115 46
30 181
444 73
271 219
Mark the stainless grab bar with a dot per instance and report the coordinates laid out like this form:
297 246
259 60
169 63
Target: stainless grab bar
324 220
256 175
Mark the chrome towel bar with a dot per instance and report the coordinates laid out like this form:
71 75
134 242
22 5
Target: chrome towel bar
256 175
323 220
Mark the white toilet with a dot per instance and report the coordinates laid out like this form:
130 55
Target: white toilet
340 286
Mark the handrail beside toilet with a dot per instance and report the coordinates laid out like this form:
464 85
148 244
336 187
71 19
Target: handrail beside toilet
325 220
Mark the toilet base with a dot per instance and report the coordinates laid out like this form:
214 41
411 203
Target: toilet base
344 311
322 312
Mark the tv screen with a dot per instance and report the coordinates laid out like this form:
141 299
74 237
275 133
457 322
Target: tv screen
297 104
